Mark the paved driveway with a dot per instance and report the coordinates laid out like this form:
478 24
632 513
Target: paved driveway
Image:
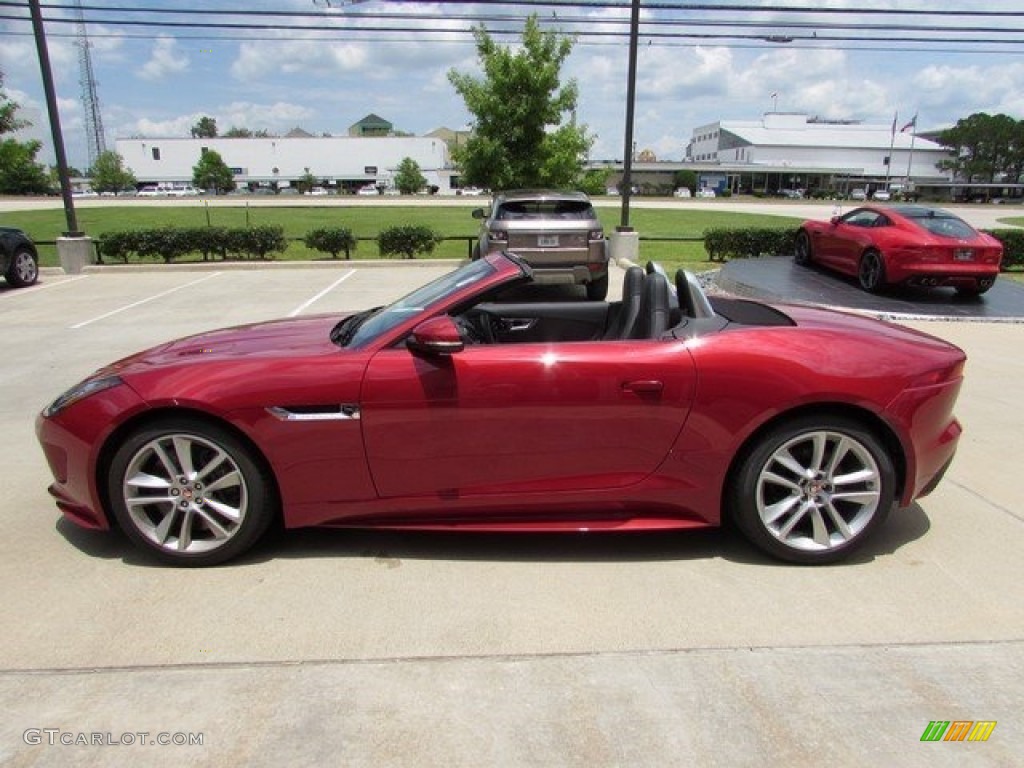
401 649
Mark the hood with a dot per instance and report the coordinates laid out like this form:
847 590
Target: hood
293 337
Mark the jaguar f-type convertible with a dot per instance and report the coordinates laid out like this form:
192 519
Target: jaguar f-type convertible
465 407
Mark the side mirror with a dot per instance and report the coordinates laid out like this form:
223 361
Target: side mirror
479 213
834 220
436 336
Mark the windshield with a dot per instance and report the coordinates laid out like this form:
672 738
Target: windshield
371 326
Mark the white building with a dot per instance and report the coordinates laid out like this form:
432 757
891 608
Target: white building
872 154
345 161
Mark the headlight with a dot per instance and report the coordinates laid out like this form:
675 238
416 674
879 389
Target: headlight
78 392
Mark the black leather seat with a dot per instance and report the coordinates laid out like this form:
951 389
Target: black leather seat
625 320
655 308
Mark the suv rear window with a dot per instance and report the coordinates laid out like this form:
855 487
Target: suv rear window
569 210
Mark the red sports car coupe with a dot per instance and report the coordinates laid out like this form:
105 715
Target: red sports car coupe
457 408
903 245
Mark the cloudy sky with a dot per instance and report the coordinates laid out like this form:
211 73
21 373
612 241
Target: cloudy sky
323 68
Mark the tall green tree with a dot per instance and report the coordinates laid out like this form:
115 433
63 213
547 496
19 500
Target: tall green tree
408 177
205 128
211 172
20 174
110 174
985 148
524 129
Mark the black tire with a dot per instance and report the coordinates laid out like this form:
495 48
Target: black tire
871 272
211 500
23 270
799 516
803 254
597 290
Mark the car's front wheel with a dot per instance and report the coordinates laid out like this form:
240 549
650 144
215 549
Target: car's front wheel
24 269
803 254
812 490
189 492
871 273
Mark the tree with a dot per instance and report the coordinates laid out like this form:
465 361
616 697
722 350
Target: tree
685 178
519 138
306 182
985 148
234 132
205 128
211 172
408 177
109 173
20 174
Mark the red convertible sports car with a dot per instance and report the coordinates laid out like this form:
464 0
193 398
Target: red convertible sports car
903 244
457 409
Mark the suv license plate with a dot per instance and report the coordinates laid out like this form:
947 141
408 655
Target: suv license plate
547 241
964 254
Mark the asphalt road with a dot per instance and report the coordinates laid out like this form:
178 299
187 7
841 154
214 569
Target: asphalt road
417 649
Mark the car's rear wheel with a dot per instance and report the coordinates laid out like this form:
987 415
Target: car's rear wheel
189 492
803 254
972 291
24 269
812 490
597 289
871 273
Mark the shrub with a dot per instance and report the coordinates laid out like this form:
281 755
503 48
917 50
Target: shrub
407 241
723 244
255 241
332 240
117 245
1013 246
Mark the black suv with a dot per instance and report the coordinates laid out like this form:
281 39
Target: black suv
19 262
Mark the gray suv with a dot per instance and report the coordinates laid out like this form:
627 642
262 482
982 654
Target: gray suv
556 233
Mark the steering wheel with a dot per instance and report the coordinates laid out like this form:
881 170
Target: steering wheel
468 330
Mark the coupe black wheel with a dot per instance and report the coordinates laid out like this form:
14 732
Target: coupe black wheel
803 254
597 289
24 269
811 491
190 493
872 272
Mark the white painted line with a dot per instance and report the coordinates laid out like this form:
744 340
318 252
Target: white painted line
40 287
322 293
144 301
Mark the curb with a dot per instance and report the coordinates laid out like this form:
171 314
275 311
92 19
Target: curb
220 266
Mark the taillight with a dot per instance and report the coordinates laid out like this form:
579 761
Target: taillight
596 234
499 235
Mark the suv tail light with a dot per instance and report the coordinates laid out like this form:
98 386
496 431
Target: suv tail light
596 234
498 235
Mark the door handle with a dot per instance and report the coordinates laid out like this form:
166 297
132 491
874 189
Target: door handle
645 386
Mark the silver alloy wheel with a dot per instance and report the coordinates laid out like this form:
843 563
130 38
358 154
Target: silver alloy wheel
25 267
185 493
871 272
818 491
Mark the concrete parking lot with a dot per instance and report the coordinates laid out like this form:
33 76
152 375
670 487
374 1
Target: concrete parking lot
399 649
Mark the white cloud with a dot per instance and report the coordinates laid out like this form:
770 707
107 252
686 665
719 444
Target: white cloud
166 59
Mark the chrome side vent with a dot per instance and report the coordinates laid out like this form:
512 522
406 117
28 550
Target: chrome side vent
340 412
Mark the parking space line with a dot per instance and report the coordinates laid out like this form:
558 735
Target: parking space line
143 301
322 293
40 287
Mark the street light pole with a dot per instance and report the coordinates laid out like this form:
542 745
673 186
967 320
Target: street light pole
55 130
627 165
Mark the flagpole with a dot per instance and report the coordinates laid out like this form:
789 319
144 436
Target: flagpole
913 137
892 143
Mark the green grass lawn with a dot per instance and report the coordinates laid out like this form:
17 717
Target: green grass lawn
367 222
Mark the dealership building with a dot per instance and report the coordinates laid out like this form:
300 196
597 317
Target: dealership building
345 162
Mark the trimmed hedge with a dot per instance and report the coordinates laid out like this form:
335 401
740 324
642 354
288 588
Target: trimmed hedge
1013 246
407 241
172 243
724 244
332 240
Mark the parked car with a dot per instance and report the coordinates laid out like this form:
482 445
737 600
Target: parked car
859 194
448 411
705 192
557 233
903 245
881 195
150 191
368 189
19 261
